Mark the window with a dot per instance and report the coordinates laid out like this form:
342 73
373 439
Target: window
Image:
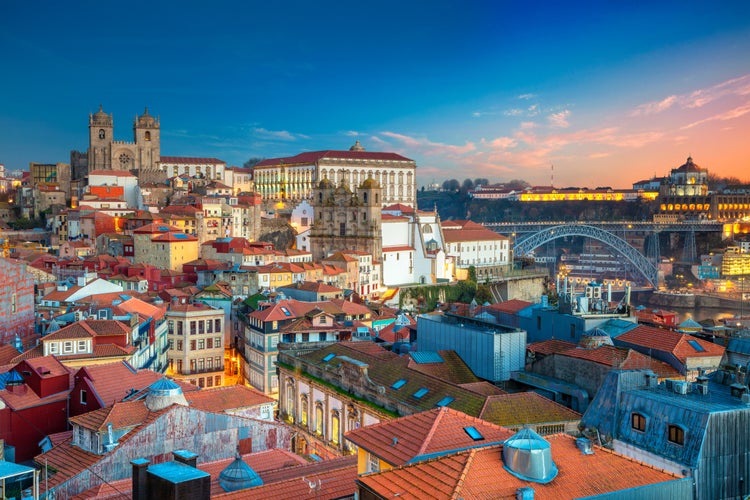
638 422
342 229
192 345
572 331
217 325
676 434
210 324
179 328
217 380
67 346
335 427
398 384
329 357
209 343
192 328
209 364
473 433
13 303
201 344
217 342
445 401
421 392
81 346
200 327
319 419
53 347
373 463
179 345
83 396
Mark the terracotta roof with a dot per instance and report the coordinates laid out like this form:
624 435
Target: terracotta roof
112 382
89 328
479 473
550 346
678 344
61 295
47 366
452 369
621 358
441 430
7 354
27 398
393 218
120 415
517 409
221 399
461 235
190 160
316 156
509 306
116 173
402 248
399 207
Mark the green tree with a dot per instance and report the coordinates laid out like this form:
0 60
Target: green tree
472 274
483 294
251 162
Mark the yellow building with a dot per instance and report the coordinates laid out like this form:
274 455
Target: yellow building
164 246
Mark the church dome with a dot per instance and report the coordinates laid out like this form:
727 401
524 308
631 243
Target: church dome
689 166
357 146
369 183
325 184
596 337
239 476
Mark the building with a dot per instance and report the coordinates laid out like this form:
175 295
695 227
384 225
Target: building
686 354
196 343
33 404
326 390
492 351
201 168
414 249
103 442
421 436
525 466
688 428
293 179
16 302
105 153
164 246
472 245
346 219
105 184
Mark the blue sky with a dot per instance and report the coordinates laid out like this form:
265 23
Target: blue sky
607 92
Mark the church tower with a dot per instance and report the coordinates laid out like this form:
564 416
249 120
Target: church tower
147 141
101 128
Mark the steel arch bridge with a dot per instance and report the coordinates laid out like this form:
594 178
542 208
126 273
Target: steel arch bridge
645 267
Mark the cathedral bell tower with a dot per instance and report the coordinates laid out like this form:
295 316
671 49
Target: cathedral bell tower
101 128
146 130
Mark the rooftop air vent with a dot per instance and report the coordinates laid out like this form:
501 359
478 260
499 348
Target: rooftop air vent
528 456
679 386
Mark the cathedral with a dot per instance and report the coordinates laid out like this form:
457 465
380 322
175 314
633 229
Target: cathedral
346 219
106 153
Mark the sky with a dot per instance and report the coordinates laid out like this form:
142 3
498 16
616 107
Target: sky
581 93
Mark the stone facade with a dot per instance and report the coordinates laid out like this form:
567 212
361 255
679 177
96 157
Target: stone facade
105 153
346 219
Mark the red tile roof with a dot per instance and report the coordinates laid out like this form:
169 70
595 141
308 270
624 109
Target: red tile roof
672 342
120 415
551 346
479 473
89 328
509 306
405 439
621 358
316 156
112 382
221 399
461 235
190 160
116 173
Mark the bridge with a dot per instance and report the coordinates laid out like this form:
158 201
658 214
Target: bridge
531 235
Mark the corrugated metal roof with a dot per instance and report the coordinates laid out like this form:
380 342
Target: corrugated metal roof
423 357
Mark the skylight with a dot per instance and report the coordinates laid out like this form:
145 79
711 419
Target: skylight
473 433
329 357
285 311
421 392
445 401
695 345
398 384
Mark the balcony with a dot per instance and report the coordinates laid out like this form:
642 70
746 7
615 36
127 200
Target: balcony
217 371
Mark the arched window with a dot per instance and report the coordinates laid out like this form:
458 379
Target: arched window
303 410
676 434
638 422
335 427
102 134
147 136
290 400
364 196
319 418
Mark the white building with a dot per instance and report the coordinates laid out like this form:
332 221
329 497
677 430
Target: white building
472 244
293 178
413 247
122 178
209 168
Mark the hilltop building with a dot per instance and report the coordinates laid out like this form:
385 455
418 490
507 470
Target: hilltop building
293 179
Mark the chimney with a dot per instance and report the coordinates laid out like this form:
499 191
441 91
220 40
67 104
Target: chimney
651 379
140 481
186 457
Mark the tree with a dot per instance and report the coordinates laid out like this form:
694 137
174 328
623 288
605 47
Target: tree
517 184
473 274
481 182
483 294
250 163
468 185
451 185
